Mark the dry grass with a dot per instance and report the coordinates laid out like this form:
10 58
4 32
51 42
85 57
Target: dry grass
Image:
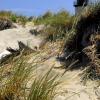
87 23
57 24
44 87
13 17
15 77
13 85
93 68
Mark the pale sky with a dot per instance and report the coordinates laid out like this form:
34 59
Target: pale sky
36 7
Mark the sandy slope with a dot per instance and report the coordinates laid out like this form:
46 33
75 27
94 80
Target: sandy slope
71 87
10 38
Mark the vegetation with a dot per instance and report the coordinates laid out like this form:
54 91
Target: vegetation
5 24
16 73
62 18
44 87
83 44
57 24
15 78
14 87
13 17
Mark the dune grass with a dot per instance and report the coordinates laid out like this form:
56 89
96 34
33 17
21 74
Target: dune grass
57 24
14 80
16 18
13 85
43 88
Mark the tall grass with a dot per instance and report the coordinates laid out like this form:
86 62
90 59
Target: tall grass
13 17
14 85
86 23
16 76
61 18
57 24
43 88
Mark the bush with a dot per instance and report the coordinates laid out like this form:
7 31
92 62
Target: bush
22 19
53 33
48 14
13 17
60 19
58 23
82 43
5 24
5 14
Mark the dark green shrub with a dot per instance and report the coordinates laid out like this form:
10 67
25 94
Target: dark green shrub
14 18
5 24
47 15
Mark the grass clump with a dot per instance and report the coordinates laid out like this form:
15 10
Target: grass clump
53 33
5 24
89 24
16 77
60 19
44 87
13 86
57 24
13 17
85 42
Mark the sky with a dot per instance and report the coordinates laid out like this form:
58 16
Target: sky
36 7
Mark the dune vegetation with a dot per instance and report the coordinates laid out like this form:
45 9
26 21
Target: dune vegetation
77 38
